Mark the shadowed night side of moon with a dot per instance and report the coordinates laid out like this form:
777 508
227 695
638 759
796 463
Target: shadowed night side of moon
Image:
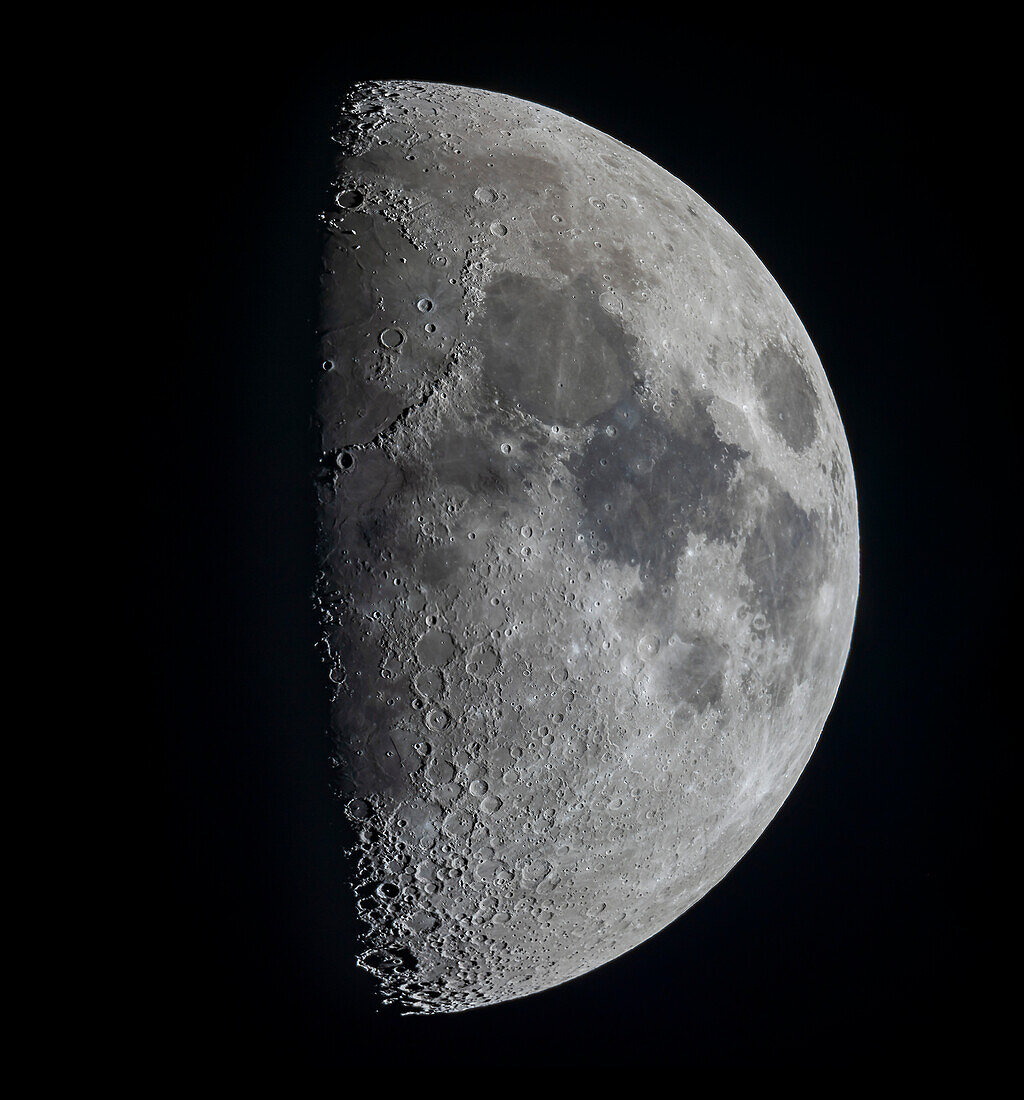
588 541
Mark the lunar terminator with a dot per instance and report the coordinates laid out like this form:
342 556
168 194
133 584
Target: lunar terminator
588 541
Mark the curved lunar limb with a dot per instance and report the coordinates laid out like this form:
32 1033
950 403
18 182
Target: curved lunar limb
588 541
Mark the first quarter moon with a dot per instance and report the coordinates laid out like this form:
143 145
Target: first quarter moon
588 541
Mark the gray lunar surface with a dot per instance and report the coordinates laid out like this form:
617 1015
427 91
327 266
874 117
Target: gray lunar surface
588 541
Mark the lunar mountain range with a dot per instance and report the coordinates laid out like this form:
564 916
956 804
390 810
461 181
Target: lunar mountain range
588 541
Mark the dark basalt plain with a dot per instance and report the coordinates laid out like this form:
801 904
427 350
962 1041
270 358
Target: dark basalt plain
588 541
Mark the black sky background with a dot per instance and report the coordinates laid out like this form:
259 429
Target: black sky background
869 172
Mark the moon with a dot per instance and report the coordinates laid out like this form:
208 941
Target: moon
587 541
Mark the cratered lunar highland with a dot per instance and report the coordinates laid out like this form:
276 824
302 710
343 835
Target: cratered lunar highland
588 541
